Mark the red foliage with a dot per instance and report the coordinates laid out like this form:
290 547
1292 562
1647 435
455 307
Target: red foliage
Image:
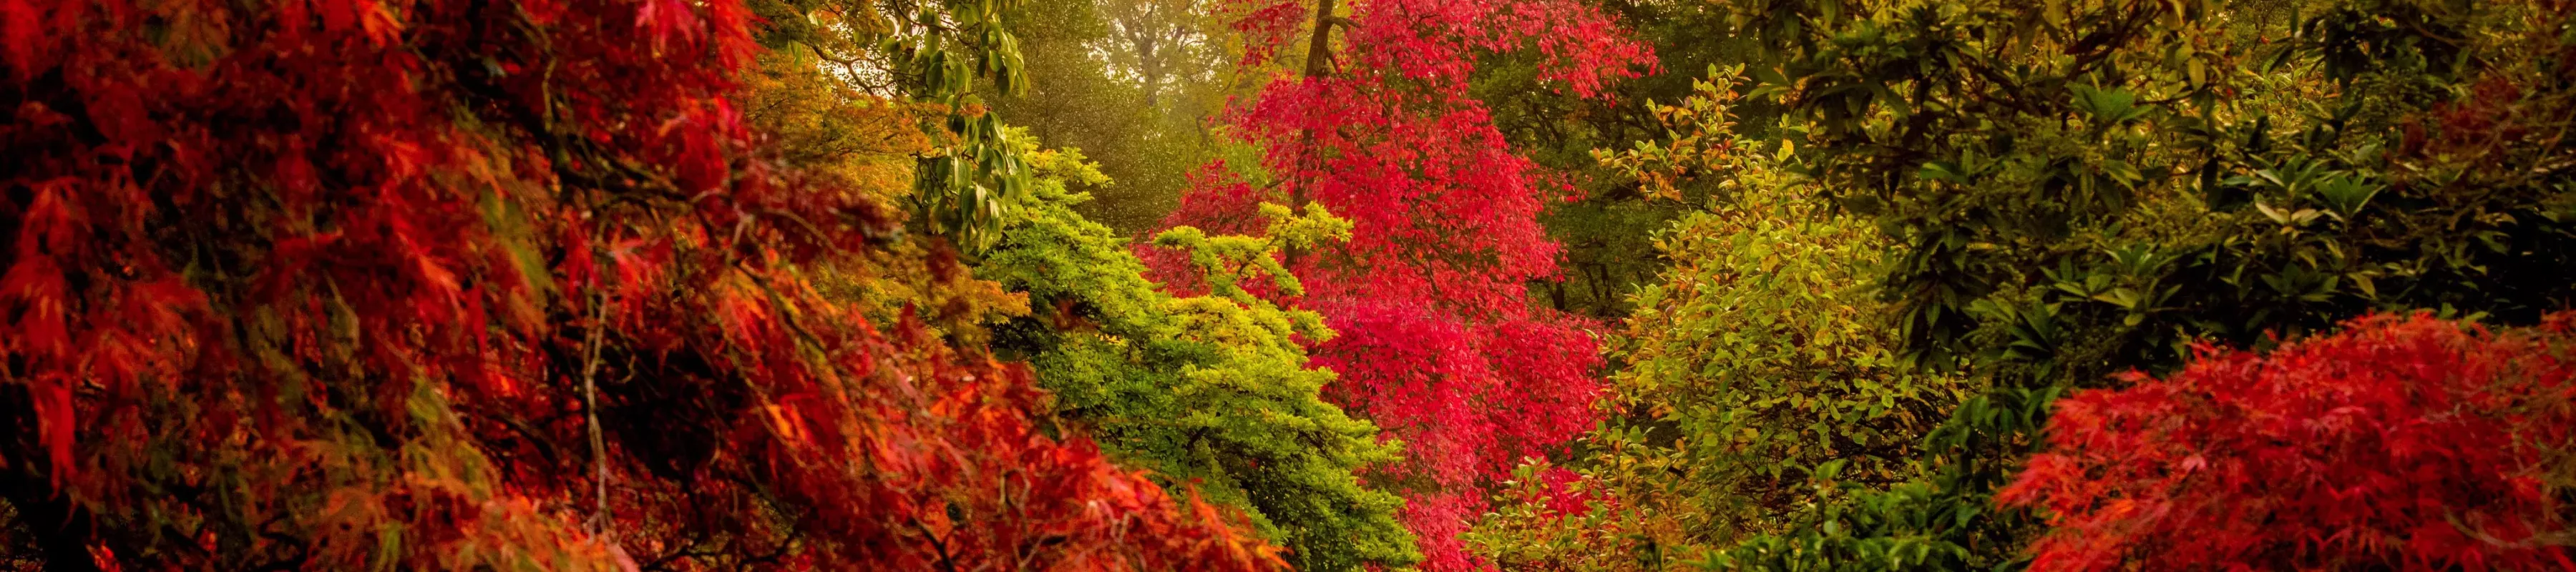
1439 342
2402 442
318 285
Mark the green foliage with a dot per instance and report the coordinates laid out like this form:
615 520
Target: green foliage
1762 388
1131 83
938 53
2086 187
1610 225
1765 350
2093 189
1211 389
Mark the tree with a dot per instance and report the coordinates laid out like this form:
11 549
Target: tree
2095 187
1212 390
948 55
453 285
1438 342
2400 442
1132 83
2236 155
1605 231
1756 382
1162 41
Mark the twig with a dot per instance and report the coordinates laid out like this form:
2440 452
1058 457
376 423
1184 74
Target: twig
598 523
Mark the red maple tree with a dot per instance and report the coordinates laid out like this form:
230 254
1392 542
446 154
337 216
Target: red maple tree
463 284
1439 342
2399 443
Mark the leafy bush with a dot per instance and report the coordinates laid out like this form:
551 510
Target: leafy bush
1760 387
2401 442
1213 389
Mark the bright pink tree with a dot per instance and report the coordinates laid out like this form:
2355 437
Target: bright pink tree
1438 340
2401 443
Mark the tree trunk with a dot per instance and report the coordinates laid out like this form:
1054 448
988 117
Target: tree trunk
1319 58
1319 45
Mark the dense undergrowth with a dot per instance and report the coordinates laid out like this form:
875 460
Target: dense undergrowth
1438 285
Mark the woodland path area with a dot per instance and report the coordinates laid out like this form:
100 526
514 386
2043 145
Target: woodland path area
1439 285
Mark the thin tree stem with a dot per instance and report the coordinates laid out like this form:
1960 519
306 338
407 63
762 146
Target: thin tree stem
590 409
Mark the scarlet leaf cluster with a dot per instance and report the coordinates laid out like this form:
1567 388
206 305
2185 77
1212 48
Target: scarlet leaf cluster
1438 341
2399 443
434 284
